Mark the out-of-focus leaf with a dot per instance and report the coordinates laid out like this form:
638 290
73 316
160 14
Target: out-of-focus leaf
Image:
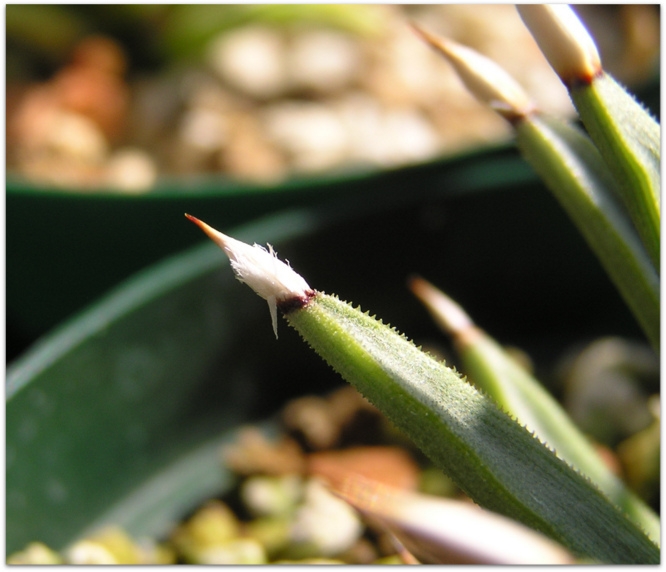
49 29
629 140
495 372
640 455
627 137
443 531
574 171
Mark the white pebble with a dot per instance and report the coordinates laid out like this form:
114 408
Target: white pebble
362 116
386 137
86 552
204 129
311 133
76 136
270 496
250 59
323 60
411 138
237 551
131 170
325 521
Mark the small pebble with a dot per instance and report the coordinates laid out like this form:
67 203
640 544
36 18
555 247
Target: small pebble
271 496
75 136
323 60
238 551
311 133
131 170
86 552
204 129
212 525
251 59
325 522
35 553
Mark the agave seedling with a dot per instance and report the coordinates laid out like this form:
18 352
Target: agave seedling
577 169
491 456
490 453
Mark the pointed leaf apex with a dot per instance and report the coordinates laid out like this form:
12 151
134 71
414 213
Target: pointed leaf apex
448 315
487 81
272 279
564 41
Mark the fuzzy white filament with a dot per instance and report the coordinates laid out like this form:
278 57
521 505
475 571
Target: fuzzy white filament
260 269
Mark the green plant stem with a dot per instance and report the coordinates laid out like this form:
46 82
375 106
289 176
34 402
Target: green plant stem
630 142
574 171
496 461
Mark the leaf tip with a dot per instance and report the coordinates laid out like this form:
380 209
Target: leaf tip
275 281
564 41
486 80
448 315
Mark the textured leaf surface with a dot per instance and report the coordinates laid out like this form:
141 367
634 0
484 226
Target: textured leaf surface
572 168
487 363
629 140
491 457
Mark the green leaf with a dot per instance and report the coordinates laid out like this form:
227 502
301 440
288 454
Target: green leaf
496 461
495 372
571 165
625 134
629 140
574 171
486 362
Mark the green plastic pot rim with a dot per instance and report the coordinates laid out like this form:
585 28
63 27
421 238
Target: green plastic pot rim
207 185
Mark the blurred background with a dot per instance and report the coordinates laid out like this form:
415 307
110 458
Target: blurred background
138 100
120 118
120 95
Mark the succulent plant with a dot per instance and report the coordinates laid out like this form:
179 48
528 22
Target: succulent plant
509 446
